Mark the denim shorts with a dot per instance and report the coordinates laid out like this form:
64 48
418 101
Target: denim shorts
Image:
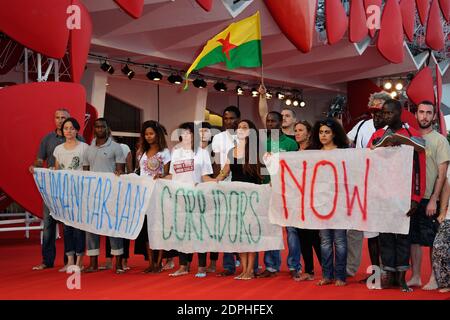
423 228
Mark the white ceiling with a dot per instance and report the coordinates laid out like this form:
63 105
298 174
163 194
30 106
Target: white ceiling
173 33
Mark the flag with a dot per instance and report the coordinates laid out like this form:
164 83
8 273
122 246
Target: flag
239 45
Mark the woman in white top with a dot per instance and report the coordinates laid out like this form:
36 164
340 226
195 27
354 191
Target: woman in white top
441 244
69 156
190 165
154 159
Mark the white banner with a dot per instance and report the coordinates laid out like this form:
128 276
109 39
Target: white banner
212 217
100 203
360 189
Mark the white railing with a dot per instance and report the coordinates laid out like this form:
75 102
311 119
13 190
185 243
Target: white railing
25 221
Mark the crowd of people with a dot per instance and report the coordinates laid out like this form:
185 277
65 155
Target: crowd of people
232 155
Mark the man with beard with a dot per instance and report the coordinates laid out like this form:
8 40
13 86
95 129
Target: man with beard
424 224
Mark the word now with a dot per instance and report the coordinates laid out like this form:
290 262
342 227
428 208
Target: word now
337 181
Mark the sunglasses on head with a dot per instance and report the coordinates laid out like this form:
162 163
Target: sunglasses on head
327 123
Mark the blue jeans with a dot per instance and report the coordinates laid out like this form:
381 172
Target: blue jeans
49 239
333 245
293 240
272 260
228 262
93 245
74 241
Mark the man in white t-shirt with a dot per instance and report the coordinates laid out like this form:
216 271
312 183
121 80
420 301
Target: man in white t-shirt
222 143
360 136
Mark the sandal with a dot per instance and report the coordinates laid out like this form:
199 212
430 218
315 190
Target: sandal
178 273
324 282
148 270
40 267
294 275
169 265
306 277
120 271
340 283
105 267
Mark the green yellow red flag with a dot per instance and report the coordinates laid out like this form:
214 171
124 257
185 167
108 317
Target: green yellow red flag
239 45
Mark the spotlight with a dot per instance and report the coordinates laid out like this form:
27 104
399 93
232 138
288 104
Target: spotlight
255 93
199 83
239 91
280 96
399 86
269 95
128 72
175 78
288 101
220 86
302 103
105 66
295 103
154 75
388 85
393 94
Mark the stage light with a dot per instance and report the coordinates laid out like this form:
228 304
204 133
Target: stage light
388 85
280 96
199 83
269 95
154 75
399 86
393 94
239 91
288 101
255 93
220 86
175 78
128 72
105 66
295 102
302 103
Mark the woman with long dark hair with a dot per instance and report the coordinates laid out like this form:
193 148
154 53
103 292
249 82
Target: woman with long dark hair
328 135
243 163
154 159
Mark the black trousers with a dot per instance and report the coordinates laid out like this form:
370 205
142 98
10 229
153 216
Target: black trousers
395 251
310 239
187 257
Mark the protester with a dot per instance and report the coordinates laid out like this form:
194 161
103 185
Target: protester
243 163
190 164
104 155
154 162
69 156
329 135
394 247
309 239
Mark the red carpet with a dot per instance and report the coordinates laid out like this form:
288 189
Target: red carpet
18 281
